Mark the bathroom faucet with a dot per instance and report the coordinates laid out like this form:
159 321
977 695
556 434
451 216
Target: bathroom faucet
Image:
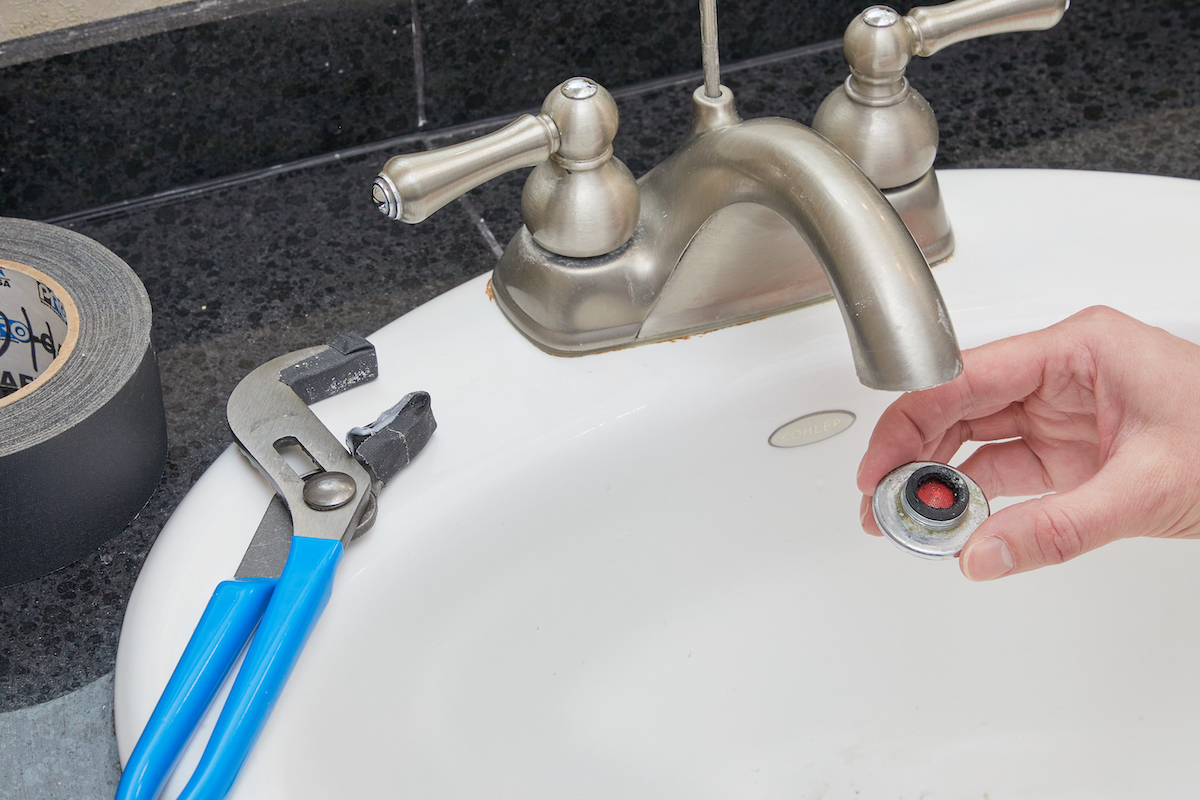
604 261
746 219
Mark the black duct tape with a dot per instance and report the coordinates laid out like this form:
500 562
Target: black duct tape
83 438
391 442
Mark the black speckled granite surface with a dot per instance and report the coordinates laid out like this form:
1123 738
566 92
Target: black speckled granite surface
240 273
174 108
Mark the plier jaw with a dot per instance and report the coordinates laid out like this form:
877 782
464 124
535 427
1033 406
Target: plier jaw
265 416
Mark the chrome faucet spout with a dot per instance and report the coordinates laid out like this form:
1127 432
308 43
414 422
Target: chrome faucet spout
899 329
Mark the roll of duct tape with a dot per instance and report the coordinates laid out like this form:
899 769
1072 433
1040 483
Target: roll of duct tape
82 430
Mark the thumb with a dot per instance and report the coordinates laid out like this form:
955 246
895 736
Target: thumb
1049 530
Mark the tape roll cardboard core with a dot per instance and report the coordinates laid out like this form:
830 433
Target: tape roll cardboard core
82 427
39 326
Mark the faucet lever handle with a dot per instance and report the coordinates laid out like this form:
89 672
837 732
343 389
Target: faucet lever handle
411 187
875 117
579 201
879 43
937 27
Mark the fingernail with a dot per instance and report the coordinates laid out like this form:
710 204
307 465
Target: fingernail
988 560
864 508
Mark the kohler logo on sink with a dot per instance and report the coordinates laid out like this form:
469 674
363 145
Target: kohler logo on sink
812 428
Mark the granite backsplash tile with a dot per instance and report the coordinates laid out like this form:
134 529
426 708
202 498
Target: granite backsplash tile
531 47
135 118
139 117
1111 65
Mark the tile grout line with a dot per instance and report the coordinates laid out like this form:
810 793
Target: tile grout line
465 202
472 211
481 225
418 38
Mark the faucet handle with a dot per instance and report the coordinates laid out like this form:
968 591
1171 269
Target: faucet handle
411 187
937 27
875 117
579 201
879 42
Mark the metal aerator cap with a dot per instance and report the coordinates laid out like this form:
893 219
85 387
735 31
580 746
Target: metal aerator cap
929 509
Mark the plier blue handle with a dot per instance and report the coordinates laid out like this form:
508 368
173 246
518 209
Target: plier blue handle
288 608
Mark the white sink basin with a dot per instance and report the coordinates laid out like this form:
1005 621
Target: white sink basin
599 580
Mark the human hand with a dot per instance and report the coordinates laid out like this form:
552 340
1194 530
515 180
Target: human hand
1100 410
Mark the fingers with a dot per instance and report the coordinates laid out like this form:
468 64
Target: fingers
1008 469
866 515
1057 528
981 403
1008 423
1099 409
1005 469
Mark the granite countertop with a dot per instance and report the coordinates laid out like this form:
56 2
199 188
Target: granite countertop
241 270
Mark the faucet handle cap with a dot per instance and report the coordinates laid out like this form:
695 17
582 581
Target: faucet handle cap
586 115
878 45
